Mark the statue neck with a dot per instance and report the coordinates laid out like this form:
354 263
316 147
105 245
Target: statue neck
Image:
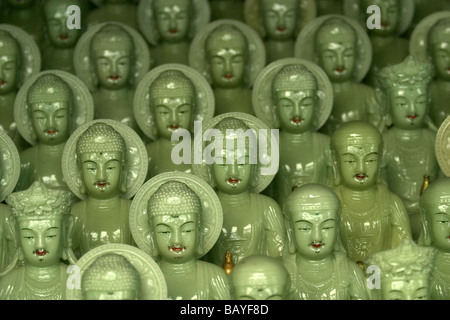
178 269
116 94
104 204
378 40
296 137
167 143
442 258
342 86
315 269
361 196
8 97
51 150
39 274
408 135
234 200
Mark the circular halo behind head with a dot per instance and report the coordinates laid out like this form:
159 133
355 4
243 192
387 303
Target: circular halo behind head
263 104
9 165
442 146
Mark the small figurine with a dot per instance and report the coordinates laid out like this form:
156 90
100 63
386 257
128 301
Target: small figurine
227 9
239 170
111 58
170 25
404 272
259 277
373 218
409 145
430 41
388 45
318 266
41 224
296 96
176 218
230 54
342 48
121 11
48 108
435 215
104 164
278 22
20 59
117 272
167 99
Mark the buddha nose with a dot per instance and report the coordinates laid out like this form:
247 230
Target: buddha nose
101 173
232 170
316 234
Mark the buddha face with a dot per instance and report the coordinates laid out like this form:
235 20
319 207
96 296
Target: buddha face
296 110
101 173
113 67
176 236
268 284
172 114
338 59
440 53
390 16
409 106
280 18
41 241
51 121
415 288
9 68
438 218
172 19
56 16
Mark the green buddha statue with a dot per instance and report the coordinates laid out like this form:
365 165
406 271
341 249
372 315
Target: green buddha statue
227 9
434 213
184 220
405 272
259 277
409 144
373 218
424 9
41 226
318 266
122 11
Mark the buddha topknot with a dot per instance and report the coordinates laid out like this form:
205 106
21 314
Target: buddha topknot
101 137
294 77
172 83
49 88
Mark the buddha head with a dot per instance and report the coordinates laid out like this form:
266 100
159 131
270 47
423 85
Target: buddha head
56 15
439 48
172 102
295 97
10 61
280 18
312 213
356 149
101 153
335 46
173 19
42 224
435 215
406 87
259 277
405 271
50 101
111 277
389 15
227 56
174 213
112 53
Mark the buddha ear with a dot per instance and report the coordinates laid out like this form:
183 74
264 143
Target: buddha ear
67 226
289 234
425 233
335 168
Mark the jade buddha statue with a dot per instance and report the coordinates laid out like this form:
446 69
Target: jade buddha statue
170 25
434 213
295 96
49 107
41 224
405 272
318 266
101 163
230 54
180 223
259 277
424 9
373 218
253 222
19 59
408 143
167 101
122 11
342 49
227 9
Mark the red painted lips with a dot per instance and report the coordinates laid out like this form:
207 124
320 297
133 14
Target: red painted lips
360 176
297 120
231 180
41 252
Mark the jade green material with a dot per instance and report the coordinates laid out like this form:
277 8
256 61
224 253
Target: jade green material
343 50
435 215
48 108
122 11
104 163
404 272
111 58
253 222
423 9
168 99
19 59
325 7
259 277
442 147
58 49
40 223
373 218
118 272
296 96
408 143
319 268
170 25
278 22
430 41
388 45
227 9
176 218
230 54
9 175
